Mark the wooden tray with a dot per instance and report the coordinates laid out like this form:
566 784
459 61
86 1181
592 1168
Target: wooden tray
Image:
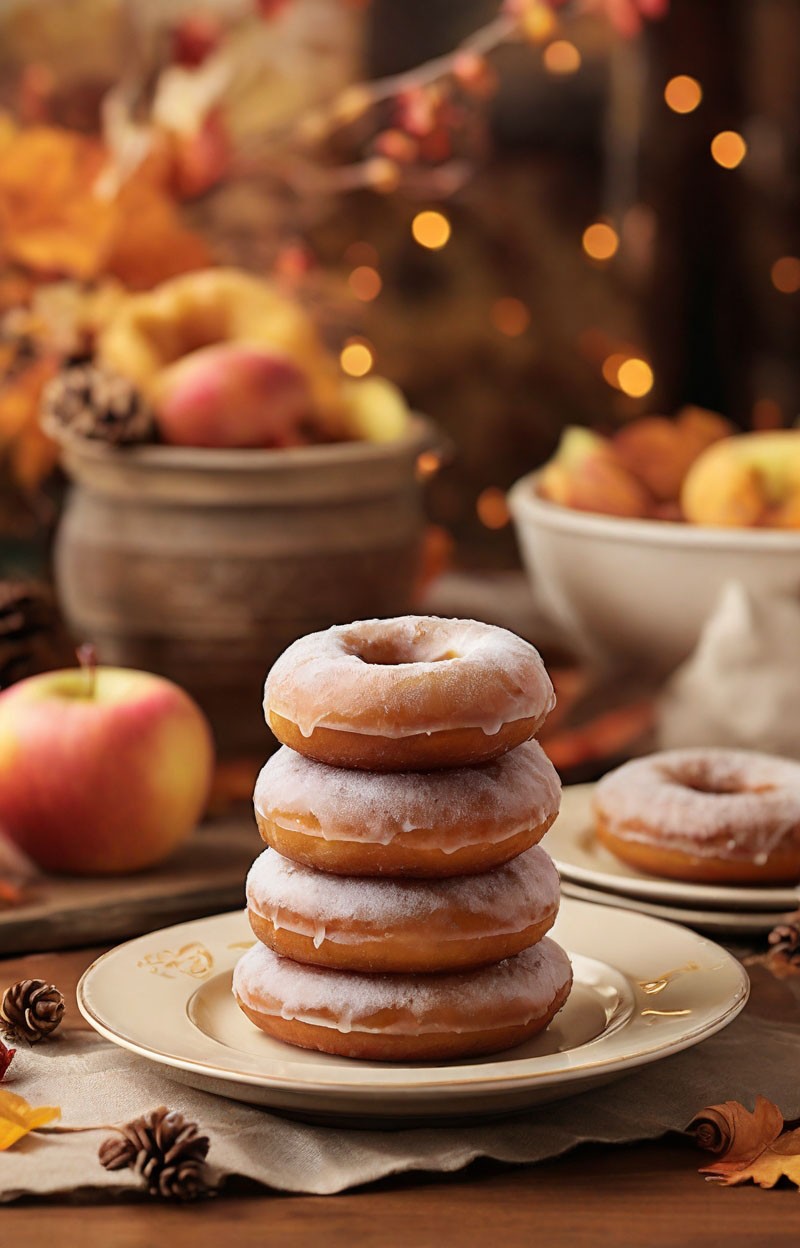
205 876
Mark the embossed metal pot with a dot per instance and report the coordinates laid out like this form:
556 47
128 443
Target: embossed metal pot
203 565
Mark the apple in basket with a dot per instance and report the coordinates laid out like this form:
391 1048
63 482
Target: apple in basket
103 770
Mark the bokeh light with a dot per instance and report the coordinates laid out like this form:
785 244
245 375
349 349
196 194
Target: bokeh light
428 463
728 149
683 93
431 229
356 357
365 283
492 508
561 57
785 275
600 241
635 377
611 366
510 316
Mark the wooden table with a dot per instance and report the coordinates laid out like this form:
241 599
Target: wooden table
642 1194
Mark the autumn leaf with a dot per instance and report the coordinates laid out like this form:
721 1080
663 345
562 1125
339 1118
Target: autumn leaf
752 1147
18 1118
734 1132
6 1056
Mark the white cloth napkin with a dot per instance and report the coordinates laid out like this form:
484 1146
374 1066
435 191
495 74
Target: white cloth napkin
741 686
95 1082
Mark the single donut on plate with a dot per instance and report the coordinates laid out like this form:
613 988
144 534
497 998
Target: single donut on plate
405 694
368 924
403 1017
434 823
710 816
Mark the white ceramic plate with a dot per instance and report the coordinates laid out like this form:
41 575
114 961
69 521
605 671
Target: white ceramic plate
580 857
643 989
731 922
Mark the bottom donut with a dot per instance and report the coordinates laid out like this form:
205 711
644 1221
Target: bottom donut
404 1017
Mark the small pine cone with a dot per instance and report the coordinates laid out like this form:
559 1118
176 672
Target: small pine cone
32 635
32 1009
165 1150
95 402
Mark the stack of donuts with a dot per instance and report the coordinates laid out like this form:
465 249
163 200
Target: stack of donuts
402 906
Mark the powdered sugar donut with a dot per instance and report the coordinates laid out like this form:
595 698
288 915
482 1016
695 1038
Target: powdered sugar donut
407 694
368 924
403 1017
706 815
406 823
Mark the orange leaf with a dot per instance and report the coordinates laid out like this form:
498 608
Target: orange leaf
779 1160
735 1133
18 1118
152 243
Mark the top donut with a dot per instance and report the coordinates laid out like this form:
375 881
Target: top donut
406 694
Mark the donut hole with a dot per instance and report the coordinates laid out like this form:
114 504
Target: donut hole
701 778
388 652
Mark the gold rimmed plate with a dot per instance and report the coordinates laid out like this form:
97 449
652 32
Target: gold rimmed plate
643 989
581 859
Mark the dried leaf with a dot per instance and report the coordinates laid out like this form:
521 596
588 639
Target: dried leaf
18 1118
734 1132
6 1056
780 1160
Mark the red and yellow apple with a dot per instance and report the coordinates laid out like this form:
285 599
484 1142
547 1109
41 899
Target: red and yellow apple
585 474
233 394
102 771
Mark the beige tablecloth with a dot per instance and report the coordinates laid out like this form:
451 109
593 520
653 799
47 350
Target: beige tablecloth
95 1082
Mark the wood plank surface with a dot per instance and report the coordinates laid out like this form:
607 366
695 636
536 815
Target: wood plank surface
204 877
625 1197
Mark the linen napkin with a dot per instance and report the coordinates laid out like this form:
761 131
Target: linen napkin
96 1082
740 687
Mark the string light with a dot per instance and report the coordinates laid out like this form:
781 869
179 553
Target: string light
365 283
492 508
635 378
785 275
611 366
356 357
537 22
428 463
561 57
683 94
431 229
728 149
600 241
510 316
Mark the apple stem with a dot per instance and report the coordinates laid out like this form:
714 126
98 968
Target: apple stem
87 657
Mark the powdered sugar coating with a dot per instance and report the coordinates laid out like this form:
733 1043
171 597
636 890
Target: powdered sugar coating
409 675
437 809
508 899
510 993
664 800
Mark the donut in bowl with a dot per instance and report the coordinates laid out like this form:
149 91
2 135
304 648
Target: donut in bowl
404 694
404 1017
711 816
437 823
369 924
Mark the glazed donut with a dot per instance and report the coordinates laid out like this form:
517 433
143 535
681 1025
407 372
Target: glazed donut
363 924
428 824
705 815
403 1017
407 694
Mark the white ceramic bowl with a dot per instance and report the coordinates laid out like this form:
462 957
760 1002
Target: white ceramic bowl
639 591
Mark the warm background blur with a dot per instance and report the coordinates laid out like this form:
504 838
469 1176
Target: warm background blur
519 323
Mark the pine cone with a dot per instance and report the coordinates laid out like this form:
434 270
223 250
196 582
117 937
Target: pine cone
32 1009
165 1150
783 957
32 636
95 402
